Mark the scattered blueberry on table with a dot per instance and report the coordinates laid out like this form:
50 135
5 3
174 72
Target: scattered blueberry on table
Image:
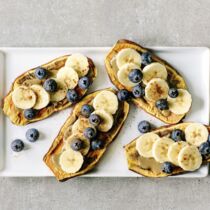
17 145
144 126
32 134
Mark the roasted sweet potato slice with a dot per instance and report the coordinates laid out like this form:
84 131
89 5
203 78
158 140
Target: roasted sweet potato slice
174 79
148 166
16 115
93 157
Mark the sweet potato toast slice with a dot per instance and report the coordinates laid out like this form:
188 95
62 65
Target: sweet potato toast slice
136 163
93 157
16 115
174 79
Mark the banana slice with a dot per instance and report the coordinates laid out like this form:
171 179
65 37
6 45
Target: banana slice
79 63
180 104
85 143
107 101
145 143
23 97
128 55
173 151
189 158
60 94
80 125
71 161
107 120
160 149
43 97
156 89
123 73
196 134
69 76
154 70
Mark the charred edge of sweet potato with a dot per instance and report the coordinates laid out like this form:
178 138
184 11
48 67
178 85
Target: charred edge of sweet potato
93 157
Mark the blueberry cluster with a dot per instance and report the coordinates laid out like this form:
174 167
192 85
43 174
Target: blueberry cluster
138 91
162 104
91 132
136 76
50 85
179 135
32 135
72 95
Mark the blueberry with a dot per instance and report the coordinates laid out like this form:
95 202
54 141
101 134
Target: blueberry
144 126
178 135
84 82
204 148
138 91
94 119
30 114
208 140
40 73
17 145
90 133
173 92
86 110
32 134
96 144
162 104
50 85
135 75
72 96
76 144
123 95
146 58
167 168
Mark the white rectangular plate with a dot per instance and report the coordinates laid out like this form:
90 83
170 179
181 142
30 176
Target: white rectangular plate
191 62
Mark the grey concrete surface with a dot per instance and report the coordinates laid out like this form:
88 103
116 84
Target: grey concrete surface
101 23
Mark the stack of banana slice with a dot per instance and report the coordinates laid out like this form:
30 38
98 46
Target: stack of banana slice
154 80
35 96
105 104
27 97
184 154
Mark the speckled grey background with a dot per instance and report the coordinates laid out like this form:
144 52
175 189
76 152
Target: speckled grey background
101 23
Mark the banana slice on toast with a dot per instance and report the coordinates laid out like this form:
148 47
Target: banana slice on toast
126 53
148 154
28 90
74 152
